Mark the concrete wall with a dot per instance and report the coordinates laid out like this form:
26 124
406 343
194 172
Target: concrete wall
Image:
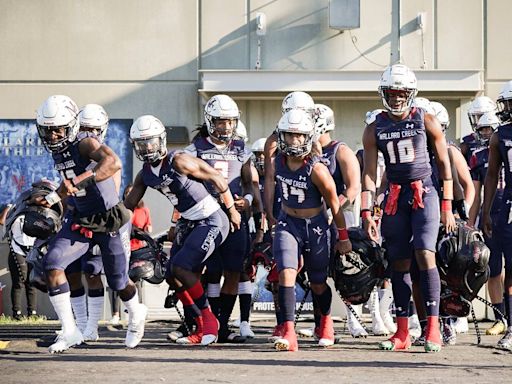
137 57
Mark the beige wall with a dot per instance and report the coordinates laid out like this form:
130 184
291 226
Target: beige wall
137 57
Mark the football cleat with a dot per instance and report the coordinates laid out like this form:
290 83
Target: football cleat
66 341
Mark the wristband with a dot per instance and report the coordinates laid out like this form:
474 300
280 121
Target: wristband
448 189
342 234
173 224
249 198
227 199
366 214
83 180
446 206
367 198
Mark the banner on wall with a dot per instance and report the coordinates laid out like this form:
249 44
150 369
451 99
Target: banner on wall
24 159
262 297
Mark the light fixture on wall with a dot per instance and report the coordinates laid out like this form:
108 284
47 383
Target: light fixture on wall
261 30
421 20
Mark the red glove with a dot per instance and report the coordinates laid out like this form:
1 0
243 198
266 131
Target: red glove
392 202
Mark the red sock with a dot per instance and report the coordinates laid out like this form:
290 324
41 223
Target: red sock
185 298
401 338
432 332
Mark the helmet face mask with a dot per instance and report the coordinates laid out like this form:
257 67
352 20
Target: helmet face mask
258 148
150 149
149 139
259 162
221 116
57 122
291 127
486 125
224 129
397 89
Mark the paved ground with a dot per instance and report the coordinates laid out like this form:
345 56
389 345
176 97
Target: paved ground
155 360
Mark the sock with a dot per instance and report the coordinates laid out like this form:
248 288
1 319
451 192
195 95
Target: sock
79 305
245 306
245 289
431 290
189 308
508 305
94 310
197 294
132 304
190 315
401 338
323 302
62 306
432 332
402 288
287 303
500 307
214 297
227 302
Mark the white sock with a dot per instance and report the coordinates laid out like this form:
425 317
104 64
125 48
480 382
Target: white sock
95 310
62 306
245 287
79 305
132 304
213 290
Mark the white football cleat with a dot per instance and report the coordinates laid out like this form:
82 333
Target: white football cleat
307 332
414 326
245 330
354 326
66 341
136 323
91 335
461 325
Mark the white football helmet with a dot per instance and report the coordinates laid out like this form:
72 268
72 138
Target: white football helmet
478 107
441 114
295 121
221 107
258 147
241 132
423 103
298 100
148 138
371 116
93 118
324 119
504 103
488 119
57 112
398 77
